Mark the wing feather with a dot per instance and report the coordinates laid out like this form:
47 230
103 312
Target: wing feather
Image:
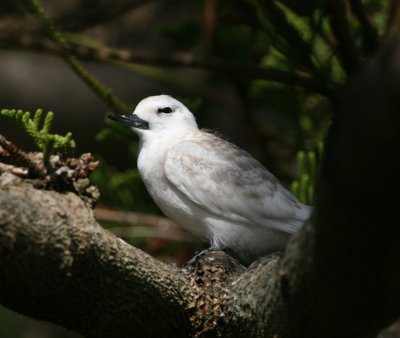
229 183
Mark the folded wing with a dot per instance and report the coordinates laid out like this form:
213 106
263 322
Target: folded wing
229 183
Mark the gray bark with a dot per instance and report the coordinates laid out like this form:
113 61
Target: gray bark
339 276
59 265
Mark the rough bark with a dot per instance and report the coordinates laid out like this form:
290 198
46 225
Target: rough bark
338 277
58 264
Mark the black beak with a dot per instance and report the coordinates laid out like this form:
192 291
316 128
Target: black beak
131 120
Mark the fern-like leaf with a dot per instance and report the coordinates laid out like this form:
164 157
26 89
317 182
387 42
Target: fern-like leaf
308 164
48 143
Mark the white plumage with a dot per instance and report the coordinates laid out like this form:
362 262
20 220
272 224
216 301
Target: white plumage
210 186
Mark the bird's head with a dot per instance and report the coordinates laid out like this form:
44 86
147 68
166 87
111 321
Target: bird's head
158 114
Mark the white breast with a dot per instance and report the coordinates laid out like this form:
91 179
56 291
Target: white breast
173 204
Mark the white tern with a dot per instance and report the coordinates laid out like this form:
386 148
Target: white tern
209 186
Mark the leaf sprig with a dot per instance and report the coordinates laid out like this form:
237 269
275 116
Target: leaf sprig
47 143
308 164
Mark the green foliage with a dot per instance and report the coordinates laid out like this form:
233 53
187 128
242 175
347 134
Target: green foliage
379 11
46 142
114 132
308 164
287 31
122 190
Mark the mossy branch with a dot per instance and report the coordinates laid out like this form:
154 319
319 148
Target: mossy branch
47 143
100 89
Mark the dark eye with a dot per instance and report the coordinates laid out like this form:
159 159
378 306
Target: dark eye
165 110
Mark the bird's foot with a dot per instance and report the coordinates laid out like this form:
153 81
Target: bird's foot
200 254
213 261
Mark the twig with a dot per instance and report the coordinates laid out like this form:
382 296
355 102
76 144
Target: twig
394 13
155 226
152 232
85 15
133 218
369 31
10 154
103 91
341 28
208 26
231 69
11 27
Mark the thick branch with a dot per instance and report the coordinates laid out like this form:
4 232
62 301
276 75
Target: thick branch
58 264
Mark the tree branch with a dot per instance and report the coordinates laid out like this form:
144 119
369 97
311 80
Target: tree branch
231 69
10 154
104 92
134 218
89 13
155 226
72 272
394 14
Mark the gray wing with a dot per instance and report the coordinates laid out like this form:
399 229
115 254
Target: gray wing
229 183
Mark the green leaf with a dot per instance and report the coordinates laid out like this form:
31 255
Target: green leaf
308 165
46 142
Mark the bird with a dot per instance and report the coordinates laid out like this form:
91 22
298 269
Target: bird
209 186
